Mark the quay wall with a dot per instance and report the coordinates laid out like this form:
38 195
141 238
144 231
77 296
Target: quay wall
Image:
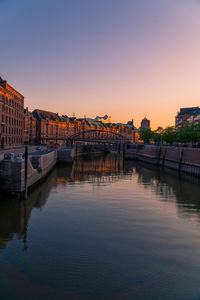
45 164
182 159
12 171
66 155
90 149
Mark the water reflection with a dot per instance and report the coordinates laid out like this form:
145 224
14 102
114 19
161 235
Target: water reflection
170 186
100 169
182 188
15 214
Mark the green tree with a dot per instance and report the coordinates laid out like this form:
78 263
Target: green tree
188 133
169 135
145 135
198 131
157 135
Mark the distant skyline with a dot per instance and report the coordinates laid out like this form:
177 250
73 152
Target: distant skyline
124 58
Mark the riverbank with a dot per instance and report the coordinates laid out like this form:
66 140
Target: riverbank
12 168
182 159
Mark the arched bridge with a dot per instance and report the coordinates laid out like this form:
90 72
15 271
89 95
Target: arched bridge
99 136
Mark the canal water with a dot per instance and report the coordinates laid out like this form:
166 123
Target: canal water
103 229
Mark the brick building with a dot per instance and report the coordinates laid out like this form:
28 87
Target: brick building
50 127
11 116
29 127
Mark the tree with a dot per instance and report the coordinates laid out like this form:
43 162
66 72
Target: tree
169 135
157 135
198 131
188 133
145 135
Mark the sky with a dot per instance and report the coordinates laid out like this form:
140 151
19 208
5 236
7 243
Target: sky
124 58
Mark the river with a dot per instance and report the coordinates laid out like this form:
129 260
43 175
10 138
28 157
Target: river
103 229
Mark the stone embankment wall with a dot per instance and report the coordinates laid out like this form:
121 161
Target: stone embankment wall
66 155
181 159
12 171
90 149
39 166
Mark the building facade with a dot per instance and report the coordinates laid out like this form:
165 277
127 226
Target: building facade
145 124
29 127
11 116
185 115
52 128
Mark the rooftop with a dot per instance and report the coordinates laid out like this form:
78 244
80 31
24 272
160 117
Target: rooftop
189 111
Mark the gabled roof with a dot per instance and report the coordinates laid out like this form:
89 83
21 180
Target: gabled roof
65 118
44 115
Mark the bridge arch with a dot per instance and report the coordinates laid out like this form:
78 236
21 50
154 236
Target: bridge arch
99 136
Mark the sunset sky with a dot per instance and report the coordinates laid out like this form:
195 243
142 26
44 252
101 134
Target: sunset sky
126 58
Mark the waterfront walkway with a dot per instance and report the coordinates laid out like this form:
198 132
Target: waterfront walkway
20 149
